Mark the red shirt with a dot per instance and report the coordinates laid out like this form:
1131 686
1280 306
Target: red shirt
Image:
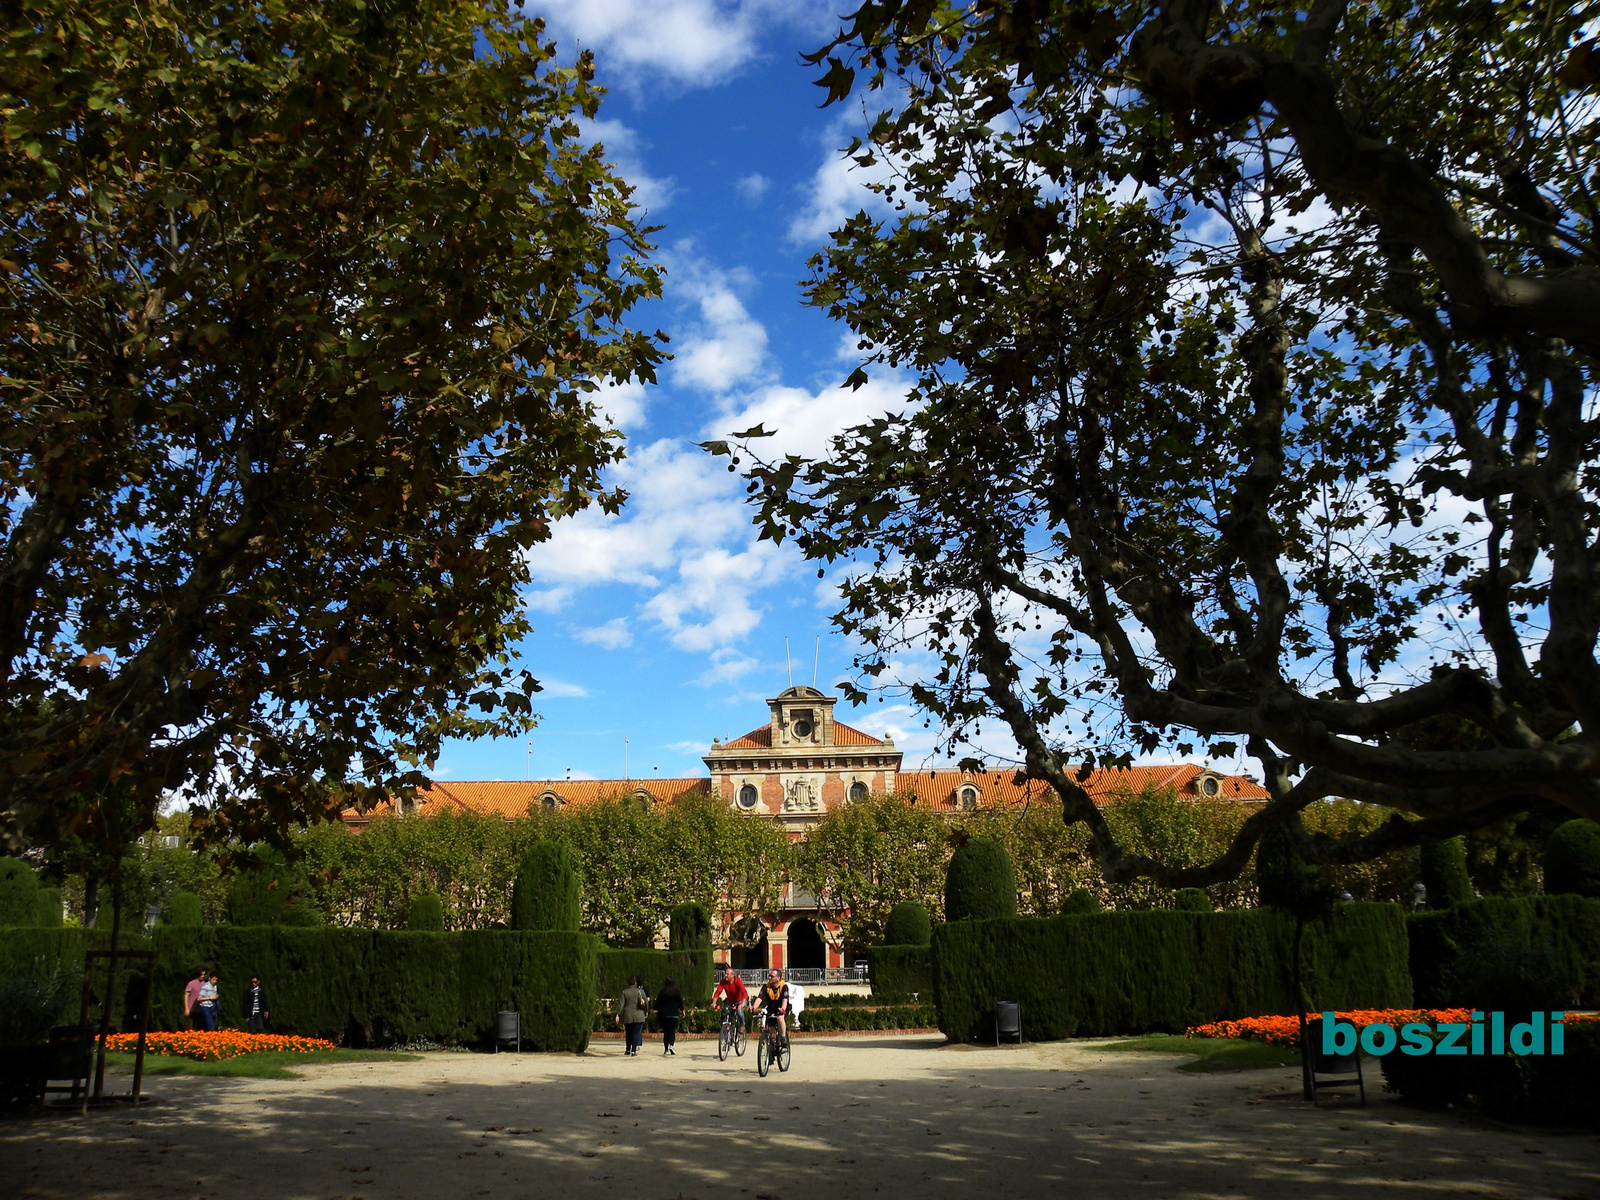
190 995
734 991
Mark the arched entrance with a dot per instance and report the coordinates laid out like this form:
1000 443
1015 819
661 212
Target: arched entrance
806 947
749 949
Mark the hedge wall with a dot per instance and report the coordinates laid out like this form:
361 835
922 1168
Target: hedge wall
1552 1089
895 972
691 968
1564 931
363 987
1134 972
59 952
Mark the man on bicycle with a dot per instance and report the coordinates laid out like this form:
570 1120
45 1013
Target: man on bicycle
731 994
774 1001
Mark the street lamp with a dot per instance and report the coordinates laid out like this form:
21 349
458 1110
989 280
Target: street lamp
1419 896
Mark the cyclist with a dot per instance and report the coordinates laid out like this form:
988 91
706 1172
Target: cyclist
774 1001
730 992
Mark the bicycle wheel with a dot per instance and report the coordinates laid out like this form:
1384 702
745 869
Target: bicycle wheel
724 1039
783 1054
738 1038
762 1063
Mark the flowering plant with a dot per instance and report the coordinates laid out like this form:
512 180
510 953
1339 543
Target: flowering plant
216 1045
1285 1030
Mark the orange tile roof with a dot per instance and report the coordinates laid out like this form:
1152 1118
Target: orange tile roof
845 735
514 798
1002 789
754 740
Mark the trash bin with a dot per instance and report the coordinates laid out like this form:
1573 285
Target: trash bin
508 1028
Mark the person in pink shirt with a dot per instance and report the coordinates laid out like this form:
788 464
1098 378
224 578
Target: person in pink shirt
191 998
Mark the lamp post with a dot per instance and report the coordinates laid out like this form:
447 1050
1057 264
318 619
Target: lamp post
1419 896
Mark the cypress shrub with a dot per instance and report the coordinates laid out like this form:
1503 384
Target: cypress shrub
689 927
19 893
691 968
908 925
1572 860
49 908
414 988
1138 972
980 882
1080 901
1191 900
1444 874
896 972
1542 948
270 892
545 895
184 910
1285 880
548 977
426 914
1547 1088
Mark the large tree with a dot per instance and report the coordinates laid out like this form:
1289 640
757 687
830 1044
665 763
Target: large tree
304 308
1252 398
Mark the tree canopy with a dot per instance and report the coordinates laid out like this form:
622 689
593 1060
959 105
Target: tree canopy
304 306
1249 352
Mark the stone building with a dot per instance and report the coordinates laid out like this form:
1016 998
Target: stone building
793 770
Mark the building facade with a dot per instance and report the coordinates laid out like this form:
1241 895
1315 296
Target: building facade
793 770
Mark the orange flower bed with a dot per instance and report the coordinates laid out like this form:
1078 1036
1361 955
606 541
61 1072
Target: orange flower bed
217 1045
1285 1031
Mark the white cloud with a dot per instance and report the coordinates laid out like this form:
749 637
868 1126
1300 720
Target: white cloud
622 404
692 42
624 149
560 688
838 189
613 635
726 346
752 187
807 421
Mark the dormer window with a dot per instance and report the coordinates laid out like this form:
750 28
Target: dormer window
1210 786
967 797
748 796
549 801
802 729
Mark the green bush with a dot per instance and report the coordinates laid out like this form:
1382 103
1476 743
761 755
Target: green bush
184 910
426 914
1192 900
19 893
1444 874
1080 901
980 882
1572 860
49 908
1136 972
689 927
1549 1088
375 987
899 972
268 891
31 1001
545 895
908 925
691 968
1286 881
1537 950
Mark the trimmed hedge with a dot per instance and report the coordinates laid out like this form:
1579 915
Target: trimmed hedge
1137 972
545 894
185 911
426 914
691 968
19 893
689 927
1444 874
1192 900
1552 1089
49 908
1080 902
365 987
980 883
896 972
1572 859
1563 930
908 925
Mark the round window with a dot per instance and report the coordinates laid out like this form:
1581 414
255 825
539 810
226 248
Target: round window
1210 786
748 796
802 729
858 790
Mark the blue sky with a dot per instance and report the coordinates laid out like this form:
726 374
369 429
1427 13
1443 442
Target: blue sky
666 626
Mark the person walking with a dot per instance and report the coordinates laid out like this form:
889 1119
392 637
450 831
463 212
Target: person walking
191 1000
633 1007
669 1010
210 1009
255 1006
797 1002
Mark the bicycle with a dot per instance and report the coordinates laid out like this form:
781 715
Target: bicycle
772 1048
732 1036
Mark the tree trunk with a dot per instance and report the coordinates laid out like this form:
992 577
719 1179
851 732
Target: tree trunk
91 900
111 981
1300 1009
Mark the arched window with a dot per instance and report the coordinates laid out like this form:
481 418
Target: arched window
858 790
968 797
1210 786
549 801
748 796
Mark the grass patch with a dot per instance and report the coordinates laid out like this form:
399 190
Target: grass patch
1211 1054
272 1064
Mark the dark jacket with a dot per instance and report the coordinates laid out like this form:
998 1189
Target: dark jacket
669 1002
252 995
633 1004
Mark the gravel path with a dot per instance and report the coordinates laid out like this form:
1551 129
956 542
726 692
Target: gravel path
888 1115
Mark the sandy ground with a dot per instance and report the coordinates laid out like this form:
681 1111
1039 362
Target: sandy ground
881 1115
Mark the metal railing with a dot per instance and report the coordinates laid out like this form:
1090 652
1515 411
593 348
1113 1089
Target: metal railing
804 976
